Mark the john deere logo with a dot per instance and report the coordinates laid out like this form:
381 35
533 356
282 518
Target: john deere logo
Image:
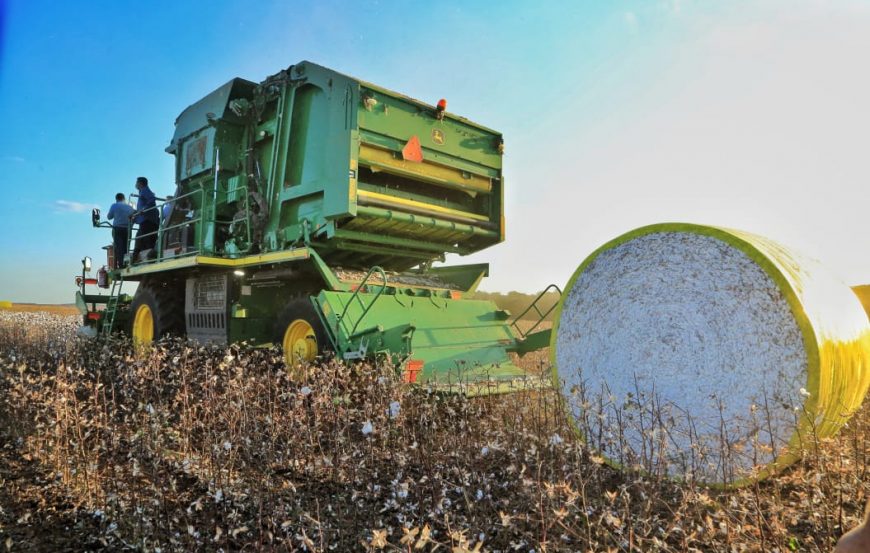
438 136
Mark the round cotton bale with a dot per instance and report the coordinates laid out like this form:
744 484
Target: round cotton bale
708 354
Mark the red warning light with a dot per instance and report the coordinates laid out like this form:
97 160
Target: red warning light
440 108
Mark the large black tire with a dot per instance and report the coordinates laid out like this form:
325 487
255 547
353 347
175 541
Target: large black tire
316 338
165 301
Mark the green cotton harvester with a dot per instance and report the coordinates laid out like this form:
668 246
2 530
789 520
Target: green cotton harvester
309 211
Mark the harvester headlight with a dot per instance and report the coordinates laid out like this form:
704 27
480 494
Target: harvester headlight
239 273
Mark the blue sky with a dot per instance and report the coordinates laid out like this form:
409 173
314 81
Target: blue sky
615 114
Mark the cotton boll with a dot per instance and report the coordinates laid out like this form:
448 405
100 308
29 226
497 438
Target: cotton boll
395 408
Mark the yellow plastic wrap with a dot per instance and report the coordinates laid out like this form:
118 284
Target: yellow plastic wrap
863 293
833 328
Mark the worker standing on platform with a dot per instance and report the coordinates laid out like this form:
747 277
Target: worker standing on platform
147 217
167 209
120 214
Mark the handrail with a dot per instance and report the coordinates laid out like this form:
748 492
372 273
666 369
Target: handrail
131 238
161 257
356 292
534 305
201 208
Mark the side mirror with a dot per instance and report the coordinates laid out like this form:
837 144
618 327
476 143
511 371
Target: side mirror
95 217
86 264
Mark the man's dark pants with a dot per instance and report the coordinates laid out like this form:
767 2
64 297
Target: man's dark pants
145 242
120 236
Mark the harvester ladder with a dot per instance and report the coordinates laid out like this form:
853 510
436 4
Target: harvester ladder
534 306
341 322
112 304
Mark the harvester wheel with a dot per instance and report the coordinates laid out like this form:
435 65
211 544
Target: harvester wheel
300 333
157 310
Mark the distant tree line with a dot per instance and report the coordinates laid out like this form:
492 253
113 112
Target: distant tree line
517 302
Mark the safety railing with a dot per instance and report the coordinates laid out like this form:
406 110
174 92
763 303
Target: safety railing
162 228
340 320
200 208
542 316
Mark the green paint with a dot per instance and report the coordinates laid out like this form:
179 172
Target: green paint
312 161
458 340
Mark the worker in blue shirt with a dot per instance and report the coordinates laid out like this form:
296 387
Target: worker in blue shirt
167 209
147 217
120 214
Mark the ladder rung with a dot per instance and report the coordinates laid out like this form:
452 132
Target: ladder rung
112 305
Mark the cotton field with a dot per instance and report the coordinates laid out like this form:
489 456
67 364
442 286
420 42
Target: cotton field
190 448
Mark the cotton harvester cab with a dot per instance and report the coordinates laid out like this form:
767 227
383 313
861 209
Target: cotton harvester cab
309 210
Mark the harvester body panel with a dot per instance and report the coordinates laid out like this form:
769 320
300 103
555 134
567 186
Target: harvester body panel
455 341
312 154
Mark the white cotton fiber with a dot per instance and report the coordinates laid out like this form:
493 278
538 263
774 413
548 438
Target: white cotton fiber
680 352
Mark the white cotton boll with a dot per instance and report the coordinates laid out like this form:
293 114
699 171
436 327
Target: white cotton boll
367 428
305 390
484 451
555 439
227 446
479 495
395 408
